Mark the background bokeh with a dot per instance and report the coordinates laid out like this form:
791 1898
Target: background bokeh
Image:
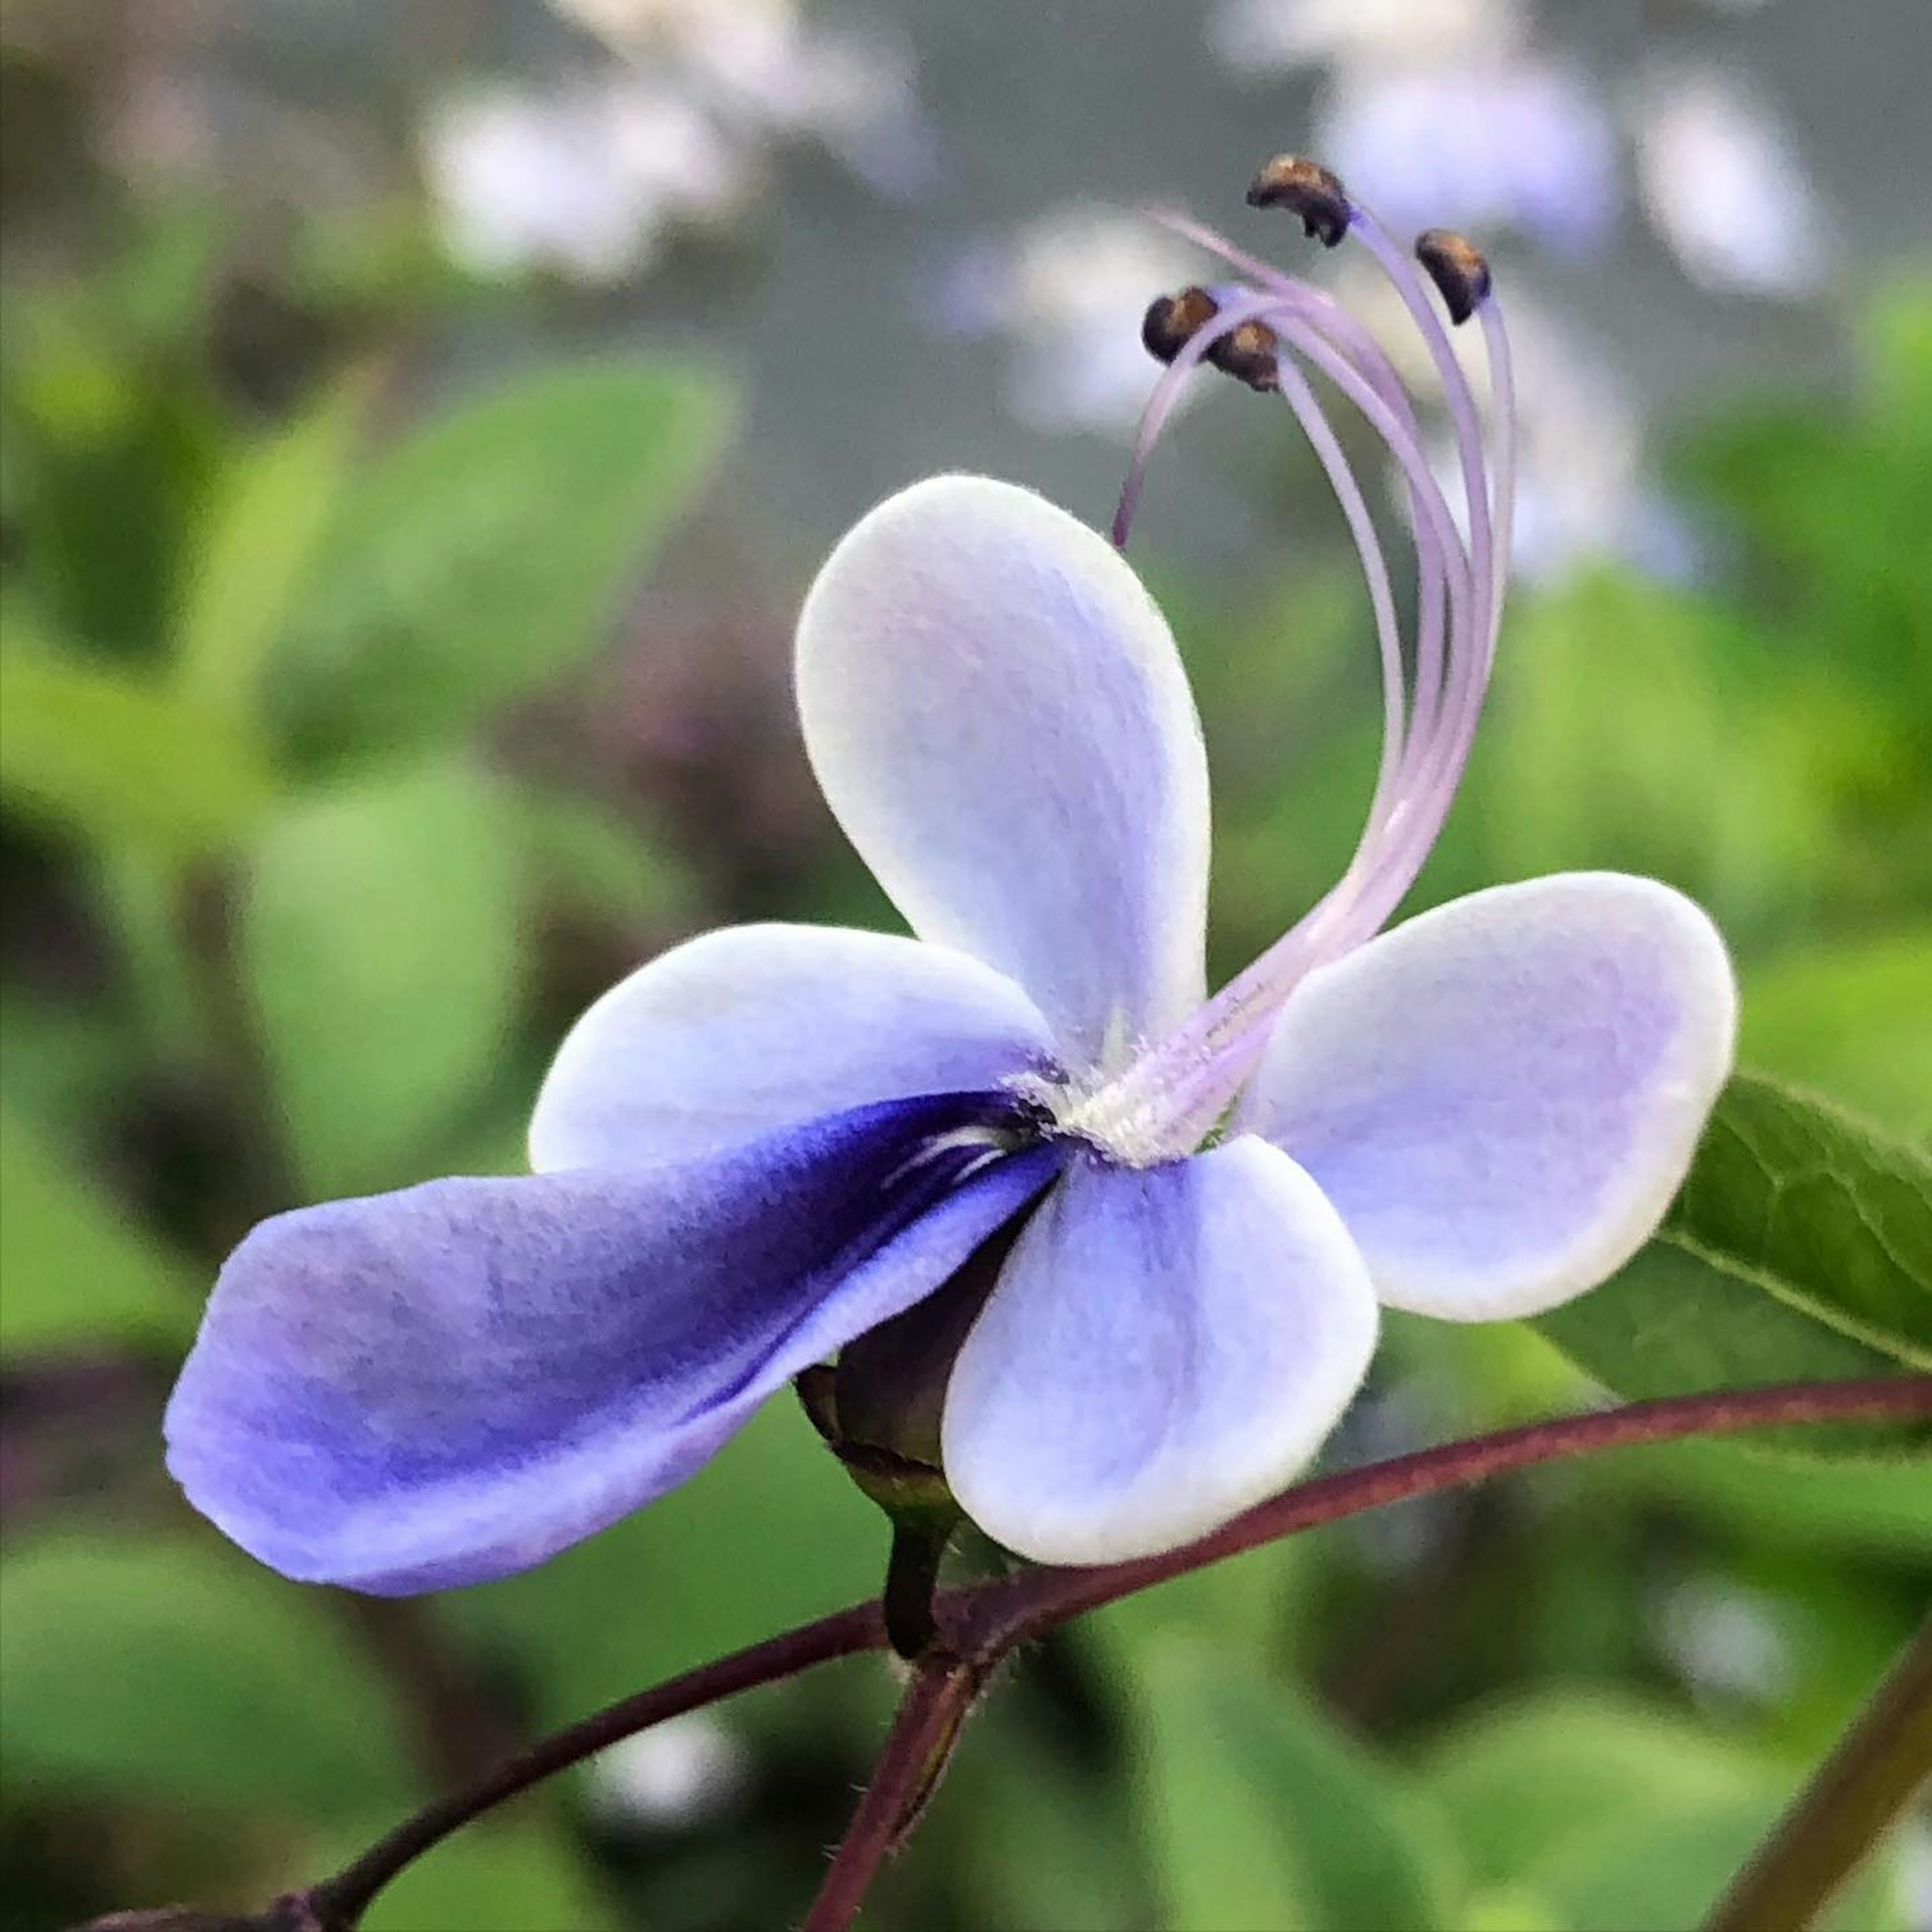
420 422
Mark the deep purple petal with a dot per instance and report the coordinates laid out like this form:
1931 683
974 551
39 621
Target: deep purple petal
1502 1095
1165 1345
446 1384
996 713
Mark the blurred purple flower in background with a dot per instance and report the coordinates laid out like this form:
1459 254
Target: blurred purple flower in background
1724 186
774 1139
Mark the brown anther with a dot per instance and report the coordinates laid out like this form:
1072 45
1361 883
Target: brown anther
1456 267
1247 353
1171 319
1307 189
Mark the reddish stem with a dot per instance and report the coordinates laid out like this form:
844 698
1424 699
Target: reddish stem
977 1626
923 1734
986 1622
341 1900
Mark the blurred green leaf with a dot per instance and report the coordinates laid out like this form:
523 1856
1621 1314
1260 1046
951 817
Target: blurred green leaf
1261 1815
1800 1247
771 1533
173 1670
493 1877
120 759
75 1268
1049 1846
1854 1018
485 555
1521 1779
1615 1816
254 540
604 864
380 944
1626 732
1842 1509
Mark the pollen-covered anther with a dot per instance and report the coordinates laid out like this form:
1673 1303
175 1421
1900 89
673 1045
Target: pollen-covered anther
1307 189
1248 353
1458 268
1170 320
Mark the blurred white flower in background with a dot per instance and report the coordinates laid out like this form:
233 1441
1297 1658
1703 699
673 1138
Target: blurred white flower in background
771 73
1276 36
1066 293
679 1773
584 179
588 175
1723 185
1728 1643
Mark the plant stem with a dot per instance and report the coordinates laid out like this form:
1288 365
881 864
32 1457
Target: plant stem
923 1735
339 1902
978 1625
1866 1783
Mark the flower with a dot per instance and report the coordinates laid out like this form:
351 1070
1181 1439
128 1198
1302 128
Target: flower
773 1139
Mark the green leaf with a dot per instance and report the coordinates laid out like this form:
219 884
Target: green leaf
380 944
73 1268
255 539
1831 1216
1800 1248
485 556
173 1670
1261 1815
117 758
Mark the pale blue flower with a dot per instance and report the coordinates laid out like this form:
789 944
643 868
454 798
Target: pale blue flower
774 1138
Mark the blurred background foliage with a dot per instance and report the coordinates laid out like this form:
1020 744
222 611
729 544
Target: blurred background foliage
402 498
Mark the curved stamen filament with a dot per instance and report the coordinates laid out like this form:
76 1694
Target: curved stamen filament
1174 1094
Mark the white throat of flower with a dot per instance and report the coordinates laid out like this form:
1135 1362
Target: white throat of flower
1264 329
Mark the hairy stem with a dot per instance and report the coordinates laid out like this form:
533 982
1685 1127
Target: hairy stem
1856 1793
923 1735
976 1626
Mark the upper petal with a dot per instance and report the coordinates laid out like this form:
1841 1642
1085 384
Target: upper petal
739 1033
997 715
1502 1095
446 1384
1164 1346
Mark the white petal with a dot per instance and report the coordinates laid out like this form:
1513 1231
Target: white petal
1164 1346
1503 1095
997 715
740 1033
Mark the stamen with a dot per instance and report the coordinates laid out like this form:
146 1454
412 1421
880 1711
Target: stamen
1161 1104
1235 306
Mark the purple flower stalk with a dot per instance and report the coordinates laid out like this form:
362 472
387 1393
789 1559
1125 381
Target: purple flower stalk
774 1139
